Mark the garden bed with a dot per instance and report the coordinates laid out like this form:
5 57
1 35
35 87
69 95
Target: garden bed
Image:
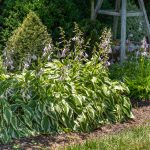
141 112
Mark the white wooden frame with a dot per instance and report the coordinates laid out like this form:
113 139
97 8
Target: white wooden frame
120 12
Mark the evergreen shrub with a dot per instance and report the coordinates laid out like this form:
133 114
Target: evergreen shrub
27 42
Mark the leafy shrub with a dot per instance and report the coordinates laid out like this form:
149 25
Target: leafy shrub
27 41
136 75
71 93
2 68
62 97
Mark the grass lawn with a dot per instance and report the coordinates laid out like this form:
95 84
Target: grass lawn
133 139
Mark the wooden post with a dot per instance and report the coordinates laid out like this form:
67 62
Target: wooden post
123 30
98 6
116 18
147 25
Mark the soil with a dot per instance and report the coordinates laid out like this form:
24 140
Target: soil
141 111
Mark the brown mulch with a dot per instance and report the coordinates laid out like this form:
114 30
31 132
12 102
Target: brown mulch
141 112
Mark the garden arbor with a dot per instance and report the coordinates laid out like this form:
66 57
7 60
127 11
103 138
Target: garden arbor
120 11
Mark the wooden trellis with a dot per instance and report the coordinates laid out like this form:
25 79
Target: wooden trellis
121 11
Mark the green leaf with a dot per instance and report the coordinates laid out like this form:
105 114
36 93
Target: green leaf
45 124
7 114
14 123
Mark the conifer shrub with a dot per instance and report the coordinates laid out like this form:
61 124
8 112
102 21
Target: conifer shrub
26 43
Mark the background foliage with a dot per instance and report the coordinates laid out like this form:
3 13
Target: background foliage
53 14
136 75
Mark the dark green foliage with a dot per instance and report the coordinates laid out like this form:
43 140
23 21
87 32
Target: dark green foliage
147 5
27 40
92 30
135 25
136 75
53 14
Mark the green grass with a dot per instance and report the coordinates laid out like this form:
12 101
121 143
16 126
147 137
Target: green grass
135 139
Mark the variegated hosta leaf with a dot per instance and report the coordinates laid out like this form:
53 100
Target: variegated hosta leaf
80 97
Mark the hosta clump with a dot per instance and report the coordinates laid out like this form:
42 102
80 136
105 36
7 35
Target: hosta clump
27 43
71 93
64 96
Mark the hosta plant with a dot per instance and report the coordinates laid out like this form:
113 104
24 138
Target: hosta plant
65 95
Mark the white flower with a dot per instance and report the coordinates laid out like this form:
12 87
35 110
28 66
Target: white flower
75 38
26 65
144 44
12 67
86 55
34 57
28 97
10 62
137 54
100 59
144 53
45 49
49 47
40 72
108 63
49 58
64 52
110 50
